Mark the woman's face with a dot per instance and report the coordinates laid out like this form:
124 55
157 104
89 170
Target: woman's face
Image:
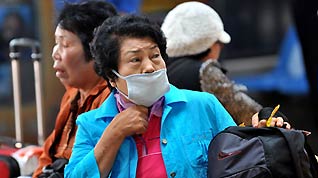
69 59
137 56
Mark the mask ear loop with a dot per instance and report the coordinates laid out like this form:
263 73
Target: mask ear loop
118 75
120 92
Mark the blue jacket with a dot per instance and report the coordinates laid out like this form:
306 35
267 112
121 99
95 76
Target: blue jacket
190 120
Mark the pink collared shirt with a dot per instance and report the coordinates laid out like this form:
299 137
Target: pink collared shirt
150 162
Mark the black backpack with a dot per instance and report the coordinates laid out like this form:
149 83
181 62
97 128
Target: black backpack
268 152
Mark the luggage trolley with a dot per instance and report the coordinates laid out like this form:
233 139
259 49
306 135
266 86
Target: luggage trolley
36 55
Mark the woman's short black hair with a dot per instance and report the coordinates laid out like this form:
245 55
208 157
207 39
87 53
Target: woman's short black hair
106 44
82 18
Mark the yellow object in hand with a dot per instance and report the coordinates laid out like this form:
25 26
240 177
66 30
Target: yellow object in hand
242 124
269 120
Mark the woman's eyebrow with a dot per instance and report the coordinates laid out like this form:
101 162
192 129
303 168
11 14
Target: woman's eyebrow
134 51
138 50
154 46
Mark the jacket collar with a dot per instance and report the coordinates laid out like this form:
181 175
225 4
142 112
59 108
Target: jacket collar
174 95
109 108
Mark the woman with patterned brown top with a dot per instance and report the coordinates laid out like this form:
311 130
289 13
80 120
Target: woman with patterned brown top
74 67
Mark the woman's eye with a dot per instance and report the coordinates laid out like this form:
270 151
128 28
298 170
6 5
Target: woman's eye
155 55
135 60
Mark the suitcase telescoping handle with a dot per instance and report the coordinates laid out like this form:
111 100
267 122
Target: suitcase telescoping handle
14 54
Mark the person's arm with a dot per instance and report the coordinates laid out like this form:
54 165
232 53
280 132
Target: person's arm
129 122
222 118
232 96
213 112
82 162
106 150
98 160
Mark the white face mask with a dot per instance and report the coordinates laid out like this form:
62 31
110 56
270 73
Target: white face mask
146 89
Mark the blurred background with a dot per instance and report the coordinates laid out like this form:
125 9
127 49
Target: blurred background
265 54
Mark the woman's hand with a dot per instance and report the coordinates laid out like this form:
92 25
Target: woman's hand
276 122
131 121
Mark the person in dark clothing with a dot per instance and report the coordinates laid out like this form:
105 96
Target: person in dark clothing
195 38
188 79
194 34
306 21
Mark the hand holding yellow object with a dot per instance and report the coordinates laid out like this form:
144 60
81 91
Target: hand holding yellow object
269 120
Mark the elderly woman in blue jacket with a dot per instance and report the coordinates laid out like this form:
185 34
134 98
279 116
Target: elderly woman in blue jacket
146 127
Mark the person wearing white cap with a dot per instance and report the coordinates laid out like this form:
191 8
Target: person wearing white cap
192 28
195 37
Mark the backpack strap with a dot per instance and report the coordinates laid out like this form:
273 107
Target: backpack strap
290 137
312 159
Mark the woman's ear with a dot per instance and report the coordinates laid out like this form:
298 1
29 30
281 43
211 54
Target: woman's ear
215 51
112 82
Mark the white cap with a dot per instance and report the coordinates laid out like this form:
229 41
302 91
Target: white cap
192 28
